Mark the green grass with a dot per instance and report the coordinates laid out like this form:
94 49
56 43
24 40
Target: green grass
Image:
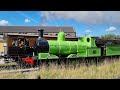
107 70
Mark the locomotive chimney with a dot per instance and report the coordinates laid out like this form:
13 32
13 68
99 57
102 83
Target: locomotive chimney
40 33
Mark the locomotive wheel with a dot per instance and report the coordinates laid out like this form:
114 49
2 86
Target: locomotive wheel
27 65
23 65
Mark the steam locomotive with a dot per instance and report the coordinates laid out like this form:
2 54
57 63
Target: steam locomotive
85 47
60 49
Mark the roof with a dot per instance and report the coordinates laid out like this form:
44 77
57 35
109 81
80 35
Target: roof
34 29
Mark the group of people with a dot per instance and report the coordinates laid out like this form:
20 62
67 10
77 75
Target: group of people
20 42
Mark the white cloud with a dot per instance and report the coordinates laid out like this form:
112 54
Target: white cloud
27 20
3 22
111 29
88 17
88 31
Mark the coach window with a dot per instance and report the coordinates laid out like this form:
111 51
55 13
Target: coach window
56 34
45 33
21 42
27 42
14 42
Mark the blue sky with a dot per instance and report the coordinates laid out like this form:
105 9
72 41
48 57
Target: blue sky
94 23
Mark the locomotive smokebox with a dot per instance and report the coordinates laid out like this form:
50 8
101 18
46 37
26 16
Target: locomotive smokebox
42 44
40 33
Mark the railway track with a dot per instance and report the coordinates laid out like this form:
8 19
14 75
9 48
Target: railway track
13 67
19 70
9 66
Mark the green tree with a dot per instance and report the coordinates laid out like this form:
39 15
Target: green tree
110 36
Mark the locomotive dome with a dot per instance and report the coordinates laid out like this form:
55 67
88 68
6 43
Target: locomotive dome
61 36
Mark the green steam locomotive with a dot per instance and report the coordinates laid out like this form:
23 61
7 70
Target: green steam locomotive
85 47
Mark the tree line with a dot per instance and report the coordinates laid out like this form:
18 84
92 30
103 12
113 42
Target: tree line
110 36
